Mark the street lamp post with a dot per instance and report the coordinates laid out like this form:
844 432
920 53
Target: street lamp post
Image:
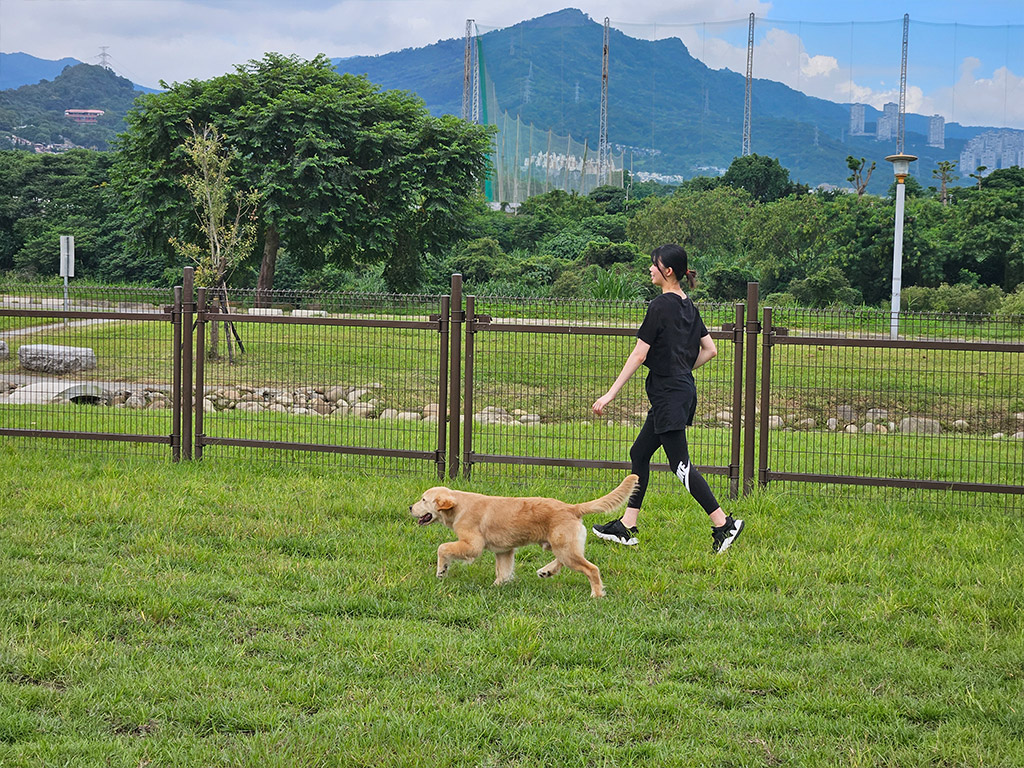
901 167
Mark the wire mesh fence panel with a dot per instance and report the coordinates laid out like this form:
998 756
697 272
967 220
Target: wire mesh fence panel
90 370
536 366
353 379
941 408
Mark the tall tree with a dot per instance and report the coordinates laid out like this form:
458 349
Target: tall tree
944 173
346 172
860 173
762 176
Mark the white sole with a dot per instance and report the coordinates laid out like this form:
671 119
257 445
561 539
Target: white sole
609 537
728 542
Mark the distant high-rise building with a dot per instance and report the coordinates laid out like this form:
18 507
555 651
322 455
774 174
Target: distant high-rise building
993 149
937 131
856 119
888 122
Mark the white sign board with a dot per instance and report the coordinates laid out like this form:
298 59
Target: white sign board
67 255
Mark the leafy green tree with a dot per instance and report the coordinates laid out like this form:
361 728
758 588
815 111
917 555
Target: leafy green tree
762 176
785 241
346 172
860 173
990 235
708 224
45 196
944 173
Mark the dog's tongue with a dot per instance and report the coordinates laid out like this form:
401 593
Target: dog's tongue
424 519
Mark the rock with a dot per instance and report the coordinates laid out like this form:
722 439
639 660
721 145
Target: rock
86 394
408 416
723 416
846 413
961 426
431 409
832 424
998 435
249 407
1017 436
5 351
389 413
776 422
355 395
877 414
265 311
851 429
881 429
530 418
341 409
277 408
54 358
870 428
363 410
920 425
321 407
334 394
208 406
806 424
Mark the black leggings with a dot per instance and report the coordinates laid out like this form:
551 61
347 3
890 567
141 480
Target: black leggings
644 447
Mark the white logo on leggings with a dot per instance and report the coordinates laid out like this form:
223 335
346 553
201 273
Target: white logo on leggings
683 473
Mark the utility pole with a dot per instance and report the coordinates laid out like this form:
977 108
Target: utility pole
901 130
602 145
746 98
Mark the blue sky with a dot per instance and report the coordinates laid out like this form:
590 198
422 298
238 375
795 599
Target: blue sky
974 72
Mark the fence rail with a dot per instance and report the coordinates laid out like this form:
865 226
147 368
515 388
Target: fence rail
806 400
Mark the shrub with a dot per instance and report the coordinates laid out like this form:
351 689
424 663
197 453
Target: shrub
606 253
613 285
725 283
780 300
959 299
1013 304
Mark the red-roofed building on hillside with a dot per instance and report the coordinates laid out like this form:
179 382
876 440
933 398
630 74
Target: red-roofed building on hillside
83 116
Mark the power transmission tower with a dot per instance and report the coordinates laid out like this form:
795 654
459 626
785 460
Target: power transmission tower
746 97
900 131
602 145
104 57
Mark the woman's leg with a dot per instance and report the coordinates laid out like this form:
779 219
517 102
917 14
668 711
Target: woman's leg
679 460
640 455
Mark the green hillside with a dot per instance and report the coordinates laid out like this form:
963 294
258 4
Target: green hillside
677 115
36 112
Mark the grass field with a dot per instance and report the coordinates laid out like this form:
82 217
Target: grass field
242 614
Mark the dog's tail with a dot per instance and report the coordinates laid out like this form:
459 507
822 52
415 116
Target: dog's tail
611 501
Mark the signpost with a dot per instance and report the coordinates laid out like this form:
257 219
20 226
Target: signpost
67 266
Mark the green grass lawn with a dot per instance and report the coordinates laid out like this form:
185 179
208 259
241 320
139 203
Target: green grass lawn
231 613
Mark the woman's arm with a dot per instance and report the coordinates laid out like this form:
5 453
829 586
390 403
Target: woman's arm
707 351
635 360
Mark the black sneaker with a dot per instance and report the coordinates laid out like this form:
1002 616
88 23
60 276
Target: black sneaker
617 532
723 537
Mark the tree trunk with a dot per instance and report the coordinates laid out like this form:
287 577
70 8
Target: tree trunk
265 284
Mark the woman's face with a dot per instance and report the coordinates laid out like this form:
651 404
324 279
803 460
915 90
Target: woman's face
657 275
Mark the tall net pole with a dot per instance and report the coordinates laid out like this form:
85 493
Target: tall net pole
467 74
746 97
900 130
602 145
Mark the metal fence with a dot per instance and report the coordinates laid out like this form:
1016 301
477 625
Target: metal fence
807 401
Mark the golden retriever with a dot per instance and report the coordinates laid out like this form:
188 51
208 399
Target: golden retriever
501 524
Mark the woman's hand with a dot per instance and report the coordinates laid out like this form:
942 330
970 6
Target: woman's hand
600 403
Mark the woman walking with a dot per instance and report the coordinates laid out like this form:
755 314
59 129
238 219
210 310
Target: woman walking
672 342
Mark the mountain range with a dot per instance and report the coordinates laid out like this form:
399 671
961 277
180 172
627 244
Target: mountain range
668 112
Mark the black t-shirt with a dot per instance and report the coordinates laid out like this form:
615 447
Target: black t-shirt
673 328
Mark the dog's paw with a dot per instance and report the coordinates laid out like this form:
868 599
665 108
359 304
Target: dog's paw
442 572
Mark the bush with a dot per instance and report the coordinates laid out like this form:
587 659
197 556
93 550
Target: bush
568 285
605 253
960 299
780 300
479 260
615 286
725 283
823 288
1013 304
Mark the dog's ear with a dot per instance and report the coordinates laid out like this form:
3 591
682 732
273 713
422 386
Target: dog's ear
444 500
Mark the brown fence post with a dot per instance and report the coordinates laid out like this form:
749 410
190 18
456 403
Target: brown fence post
455 378
750 389
176 376
737 402
766 383
442 387
467 444
187 309
200 355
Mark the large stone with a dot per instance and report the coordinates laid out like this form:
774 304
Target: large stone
920 425
55 358
5 351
